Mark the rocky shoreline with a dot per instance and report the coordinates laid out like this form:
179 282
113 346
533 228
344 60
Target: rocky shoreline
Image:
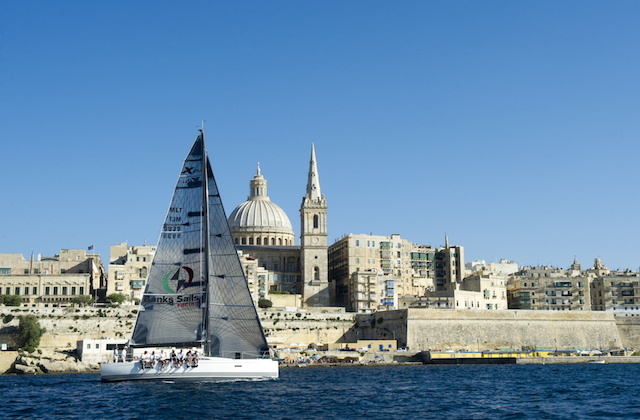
50 361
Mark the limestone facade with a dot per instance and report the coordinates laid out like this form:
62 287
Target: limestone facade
129 269
261 230
424 329
51 281
617 292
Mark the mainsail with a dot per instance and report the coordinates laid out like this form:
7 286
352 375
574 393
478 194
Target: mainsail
196 292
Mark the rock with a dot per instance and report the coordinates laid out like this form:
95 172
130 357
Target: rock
23 369
57 366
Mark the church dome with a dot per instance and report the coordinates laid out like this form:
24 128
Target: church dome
259 221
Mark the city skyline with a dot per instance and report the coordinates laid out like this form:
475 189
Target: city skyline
509 127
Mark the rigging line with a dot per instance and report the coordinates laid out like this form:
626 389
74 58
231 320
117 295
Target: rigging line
231 305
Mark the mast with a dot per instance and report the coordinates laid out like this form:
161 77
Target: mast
205 270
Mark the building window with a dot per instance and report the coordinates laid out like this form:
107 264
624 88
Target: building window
316 222
316 273
250 241
47 290
357 242
244 241
17 291
34 290
64 290
258 241
82 290
6 270
36 271
7 291
55 290
73 290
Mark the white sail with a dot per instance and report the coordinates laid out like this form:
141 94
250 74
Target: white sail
196 292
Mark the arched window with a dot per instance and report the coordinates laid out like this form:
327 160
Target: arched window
258 241
236 241
273 241
316 221
316 273
244 241
250 241
279 241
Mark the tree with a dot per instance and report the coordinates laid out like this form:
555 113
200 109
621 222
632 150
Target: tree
82 300
116 299
11 300
265 303
30 332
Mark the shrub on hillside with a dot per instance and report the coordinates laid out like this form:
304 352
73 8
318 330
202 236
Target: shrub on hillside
30 332
265 303
82 300
116 299
10 300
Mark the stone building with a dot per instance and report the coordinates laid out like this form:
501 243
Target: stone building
128 269
614 291
414 270
262 230
51 281
549 288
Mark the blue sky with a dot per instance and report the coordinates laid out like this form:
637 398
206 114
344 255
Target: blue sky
510 126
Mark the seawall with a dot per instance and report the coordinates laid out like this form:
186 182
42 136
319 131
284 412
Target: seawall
422 329
418 329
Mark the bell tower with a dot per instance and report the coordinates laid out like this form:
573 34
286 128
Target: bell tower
313 241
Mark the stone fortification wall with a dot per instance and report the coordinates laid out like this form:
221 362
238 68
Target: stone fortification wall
305 327
629 328
422 329
66 326
419 329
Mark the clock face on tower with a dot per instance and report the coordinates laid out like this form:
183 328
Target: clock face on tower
315 240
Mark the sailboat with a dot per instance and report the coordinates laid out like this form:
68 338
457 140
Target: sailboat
197 296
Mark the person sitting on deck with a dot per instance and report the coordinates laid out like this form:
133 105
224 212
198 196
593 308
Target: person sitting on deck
123 353
153 359
145 359
173 357
188 358
180 358
162 357
195 358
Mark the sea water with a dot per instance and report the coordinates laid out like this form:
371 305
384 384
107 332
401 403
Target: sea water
577 391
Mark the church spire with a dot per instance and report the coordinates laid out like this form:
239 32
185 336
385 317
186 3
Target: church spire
313 182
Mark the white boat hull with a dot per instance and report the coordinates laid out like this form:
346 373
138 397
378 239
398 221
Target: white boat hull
209 369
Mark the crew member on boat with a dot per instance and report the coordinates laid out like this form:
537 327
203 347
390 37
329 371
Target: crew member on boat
145 359
162 357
